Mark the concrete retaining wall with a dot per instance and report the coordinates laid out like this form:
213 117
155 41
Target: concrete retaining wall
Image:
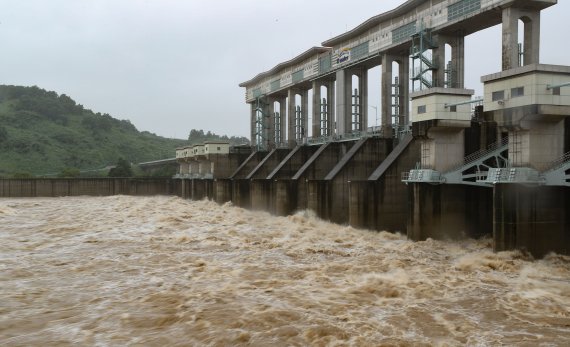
54 187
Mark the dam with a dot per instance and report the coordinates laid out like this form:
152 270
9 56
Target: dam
442 164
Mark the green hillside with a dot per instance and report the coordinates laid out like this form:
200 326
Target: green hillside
42 132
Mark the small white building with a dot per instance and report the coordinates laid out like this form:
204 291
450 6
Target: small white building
433 104
213 147
198 150
445 113
180 153
528 85
530 103
188 152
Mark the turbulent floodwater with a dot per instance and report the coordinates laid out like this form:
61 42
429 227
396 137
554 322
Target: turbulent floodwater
162 271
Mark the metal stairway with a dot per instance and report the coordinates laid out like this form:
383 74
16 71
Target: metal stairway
476 166
473 170
559 173
422 61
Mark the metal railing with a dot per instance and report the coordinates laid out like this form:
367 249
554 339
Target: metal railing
473 157
558 163
427 176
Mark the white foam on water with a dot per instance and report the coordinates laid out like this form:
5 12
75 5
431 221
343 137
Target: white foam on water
162 271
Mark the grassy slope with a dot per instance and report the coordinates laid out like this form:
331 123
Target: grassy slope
42 141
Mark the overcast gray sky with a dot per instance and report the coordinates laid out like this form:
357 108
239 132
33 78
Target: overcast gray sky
172 65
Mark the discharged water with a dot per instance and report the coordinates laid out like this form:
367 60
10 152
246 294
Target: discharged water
162 271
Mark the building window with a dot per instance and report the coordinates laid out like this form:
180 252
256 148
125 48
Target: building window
219 148
462 8
421 109
516 92
453 108
500 95
556 91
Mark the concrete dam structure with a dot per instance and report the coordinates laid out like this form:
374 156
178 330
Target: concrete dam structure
441 164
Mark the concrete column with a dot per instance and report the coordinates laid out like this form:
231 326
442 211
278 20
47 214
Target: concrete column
510 38
363 92
222 190
531 37
439 60
269 123
285 197
193 167
404 81
443 148
458 61
304 114
283 116
540 144
184 168
343 101
387 80
204 167
316 124
331 92
457 43
262 195
531 20
253 130
291 93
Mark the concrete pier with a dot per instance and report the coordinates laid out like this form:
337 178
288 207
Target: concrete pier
222 190
241 193
357 164
449 212
382 201
286 197
535 219
201 189
263 195
317 167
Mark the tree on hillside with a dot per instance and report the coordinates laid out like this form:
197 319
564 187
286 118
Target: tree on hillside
69 172
3 134
198 136
122 169
43 132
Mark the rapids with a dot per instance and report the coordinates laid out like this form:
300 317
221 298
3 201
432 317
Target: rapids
162 271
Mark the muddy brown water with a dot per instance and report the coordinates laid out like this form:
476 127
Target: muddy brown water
162 271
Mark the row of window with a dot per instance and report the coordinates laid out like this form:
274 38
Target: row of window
500 94
359 51
297 76
404 32
462 8
422 109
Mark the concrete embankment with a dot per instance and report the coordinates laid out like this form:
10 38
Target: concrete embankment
54 187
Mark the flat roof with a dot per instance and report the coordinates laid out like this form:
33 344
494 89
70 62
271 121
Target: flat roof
557 69
216 142
372 22
327 45
298 59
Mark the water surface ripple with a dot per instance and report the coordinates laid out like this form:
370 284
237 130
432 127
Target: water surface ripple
162 271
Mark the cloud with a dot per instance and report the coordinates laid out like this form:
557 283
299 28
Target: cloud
173 65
